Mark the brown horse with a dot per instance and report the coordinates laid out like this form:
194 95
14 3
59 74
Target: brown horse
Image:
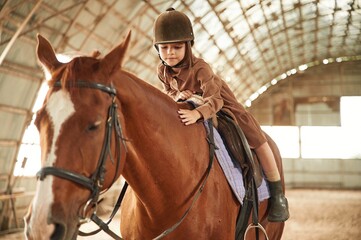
163 160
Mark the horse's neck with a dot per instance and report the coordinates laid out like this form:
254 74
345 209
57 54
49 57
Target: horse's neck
145 108
161 150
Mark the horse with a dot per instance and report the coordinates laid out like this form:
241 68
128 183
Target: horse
163 161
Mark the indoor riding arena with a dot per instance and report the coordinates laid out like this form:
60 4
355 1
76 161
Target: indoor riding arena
294 64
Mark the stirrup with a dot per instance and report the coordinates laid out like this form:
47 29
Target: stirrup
258 225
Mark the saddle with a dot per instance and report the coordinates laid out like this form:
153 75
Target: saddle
235 142
238 148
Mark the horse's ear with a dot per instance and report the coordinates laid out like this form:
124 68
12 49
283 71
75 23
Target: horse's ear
46 54
114 59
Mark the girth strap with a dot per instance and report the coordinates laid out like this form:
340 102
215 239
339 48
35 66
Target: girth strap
250 202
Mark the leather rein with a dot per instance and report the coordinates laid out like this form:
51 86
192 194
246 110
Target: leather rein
95 182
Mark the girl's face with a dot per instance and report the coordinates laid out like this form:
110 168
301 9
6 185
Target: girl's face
172 53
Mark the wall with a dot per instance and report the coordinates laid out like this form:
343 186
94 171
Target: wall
323 173
310 97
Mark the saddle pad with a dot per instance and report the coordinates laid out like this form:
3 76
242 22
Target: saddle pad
233 172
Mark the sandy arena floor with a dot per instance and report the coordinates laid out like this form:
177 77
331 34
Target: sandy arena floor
323 215
315 215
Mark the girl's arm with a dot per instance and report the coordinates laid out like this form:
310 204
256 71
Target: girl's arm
169 91
211 86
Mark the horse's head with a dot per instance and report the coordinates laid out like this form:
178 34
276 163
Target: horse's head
80 150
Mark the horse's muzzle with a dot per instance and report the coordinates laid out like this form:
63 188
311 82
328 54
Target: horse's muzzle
53 231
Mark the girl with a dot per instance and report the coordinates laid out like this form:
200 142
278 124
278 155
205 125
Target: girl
184 75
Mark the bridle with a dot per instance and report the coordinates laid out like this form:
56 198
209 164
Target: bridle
95 182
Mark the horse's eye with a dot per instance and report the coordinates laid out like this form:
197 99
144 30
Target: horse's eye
93 126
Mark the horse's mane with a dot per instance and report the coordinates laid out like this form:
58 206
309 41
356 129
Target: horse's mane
156 93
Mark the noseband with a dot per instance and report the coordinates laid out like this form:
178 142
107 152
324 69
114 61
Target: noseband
95 182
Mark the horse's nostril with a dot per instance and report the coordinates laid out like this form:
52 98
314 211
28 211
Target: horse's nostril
58 233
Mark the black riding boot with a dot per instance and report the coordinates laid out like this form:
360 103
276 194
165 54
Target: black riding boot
278 211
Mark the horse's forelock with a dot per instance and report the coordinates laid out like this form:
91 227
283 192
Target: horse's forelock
66 74
56 75
69 74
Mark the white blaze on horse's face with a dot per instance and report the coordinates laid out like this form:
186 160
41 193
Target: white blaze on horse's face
59 108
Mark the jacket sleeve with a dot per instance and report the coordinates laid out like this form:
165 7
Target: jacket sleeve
173 93
211 86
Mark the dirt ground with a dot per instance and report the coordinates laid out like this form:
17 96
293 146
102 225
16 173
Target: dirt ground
323 214
315 215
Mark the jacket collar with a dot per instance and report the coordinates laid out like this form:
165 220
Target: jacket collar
183 72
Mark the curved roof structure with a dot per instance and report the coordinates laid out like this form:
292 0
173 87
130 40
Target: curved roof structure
252 44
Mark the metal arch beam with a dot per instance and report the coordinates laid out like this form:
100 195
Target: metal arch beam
255 40
349 20
10 32
6 9
329 42
60 13
131 24
236 45
78 26
289 49
2 11
273 44
99 18
136 44
316 30
9 143
16 110
42 23
299 6
19 30
20 71
210 36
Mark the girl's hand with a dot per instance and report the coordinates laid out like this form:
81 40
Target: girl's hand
189 116
185 95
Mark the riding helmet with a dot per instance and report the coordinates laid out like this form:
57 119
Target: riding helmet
172 26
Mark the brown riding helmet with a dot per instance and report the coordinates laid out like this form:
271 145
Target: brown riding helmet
172 26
